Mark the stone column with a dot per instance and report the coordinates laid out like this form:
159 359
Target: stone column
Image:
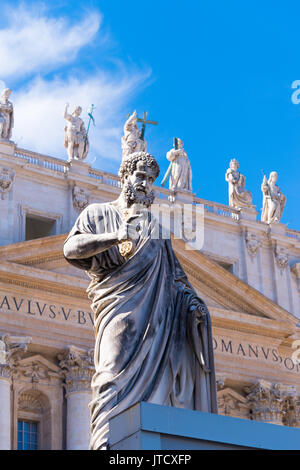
10 349
78 369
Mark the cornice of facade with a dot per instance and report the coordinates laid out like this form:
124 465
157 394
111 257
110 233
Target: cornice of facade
223 282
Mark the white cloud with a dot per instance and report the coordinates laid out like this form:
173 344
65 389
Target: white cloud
39 123
33 42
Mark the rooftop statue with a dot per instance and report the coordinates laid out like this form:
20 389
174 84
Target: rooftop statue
273 199
180 168
76 138
132 140
6 115
238 196
153 332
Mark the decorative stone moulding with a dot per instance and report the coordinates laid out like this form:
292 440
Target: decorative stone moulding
12 349
274 403
80 198
6 181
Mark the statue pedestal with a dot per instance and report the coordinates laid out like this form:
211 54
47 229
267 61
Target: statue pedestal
146 426
7 147
182 196
248 213
78 166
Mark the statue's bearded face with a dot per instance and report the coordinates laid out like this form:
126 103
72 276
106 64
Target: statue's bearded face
138 186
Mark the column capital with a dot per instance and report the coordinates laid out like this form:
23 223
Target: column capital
77 368
12 349
265 400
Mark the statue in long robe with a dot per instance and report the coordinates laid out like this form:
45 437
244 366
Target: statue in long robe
273 200
238 196
131 140
6 115
76 139
153 332
181 171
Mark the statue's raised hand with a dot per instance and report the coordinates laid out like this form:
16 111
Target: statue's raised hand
129 230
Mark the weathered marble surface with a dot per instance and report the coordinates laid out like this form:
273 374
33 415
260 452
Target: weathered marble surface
6 180
273 199
181 171
76 139
230 239
153 332
238 196
131 140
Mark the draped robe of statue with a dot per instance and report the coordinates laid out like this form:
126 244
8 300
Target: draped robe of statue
149 345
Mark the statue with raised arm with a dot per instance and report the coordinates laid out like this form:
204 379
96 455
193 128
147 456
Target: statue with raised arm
76 139
131 140
153 332
181 171
6 115
273 199
238 196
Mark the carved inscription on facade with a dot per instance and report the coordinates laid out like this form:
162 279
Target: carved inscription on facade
38 308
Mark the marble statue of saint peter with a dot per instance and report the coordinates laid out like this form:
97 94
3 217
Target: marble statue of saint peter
76 139
153 332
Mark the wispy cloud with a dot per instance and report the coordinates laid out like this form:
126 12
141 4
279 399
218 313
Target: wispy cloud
33 44
32 41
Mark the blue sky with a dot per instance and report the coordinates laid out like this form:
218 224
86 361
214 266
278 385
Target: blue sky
216 74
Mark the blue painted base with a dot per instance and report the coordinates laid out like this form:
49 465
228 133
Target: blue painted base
146 426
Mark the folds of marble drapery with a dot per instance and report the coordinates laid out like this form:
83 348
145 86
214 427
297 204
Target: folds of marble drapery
150 345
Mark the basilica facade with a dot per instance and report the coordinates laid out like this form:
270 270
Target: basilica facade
246 270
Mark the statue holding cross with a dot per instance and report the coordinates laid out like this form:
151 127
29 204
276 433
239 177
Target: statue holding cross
179 171
134 138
